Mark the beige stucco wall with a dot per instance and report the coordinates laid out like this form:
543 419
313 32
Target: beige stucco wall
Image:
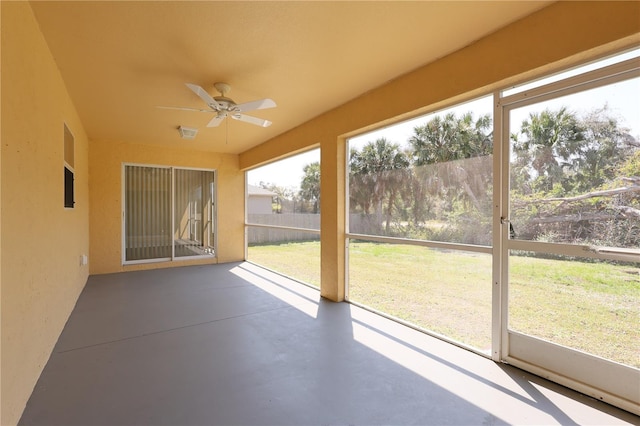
105 183
556 37
41 241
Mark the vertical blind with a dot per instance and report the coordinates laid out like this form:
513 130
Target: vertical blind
151 233
193 212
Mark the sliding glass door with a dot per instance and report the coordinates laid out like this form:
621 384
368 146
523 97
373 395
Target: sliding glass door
147 213
168 213
193 213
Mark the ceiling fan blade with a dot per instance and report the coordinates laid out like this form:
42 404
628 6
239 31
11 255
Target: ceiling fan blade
215 121
184 109
252 120
202 94
253 105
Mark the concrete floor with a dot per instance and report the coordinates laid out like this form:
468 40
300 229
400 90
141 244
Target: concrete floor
234 344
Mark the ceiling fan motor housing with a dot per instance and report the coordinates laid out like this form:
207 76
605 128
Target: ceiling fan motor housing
223 88
224 104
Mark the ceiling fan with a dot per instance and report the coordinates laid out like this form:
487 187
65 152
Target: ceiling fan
225 107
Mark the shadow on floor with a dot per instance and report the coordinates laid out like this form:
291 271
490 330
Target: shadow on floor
234 344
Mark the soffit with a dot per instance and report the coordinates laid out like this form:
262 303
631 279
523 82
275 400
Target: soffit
120 60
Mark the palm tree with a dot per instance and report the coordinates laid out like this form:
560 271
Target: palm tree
548 141
310 185
439 148
379 169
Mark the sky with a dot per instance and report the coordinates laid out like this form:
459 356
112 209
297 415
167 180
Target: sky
285 173
623 99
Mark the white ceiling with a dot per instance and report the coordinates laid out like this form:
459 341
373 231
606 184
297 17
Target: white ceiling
120 60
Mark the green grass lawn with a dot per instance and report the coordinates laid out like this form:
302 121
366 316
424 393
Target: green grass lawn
298 260
594 307
444 291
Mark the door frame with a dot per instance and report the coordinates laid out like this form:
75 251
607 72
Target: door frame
595 376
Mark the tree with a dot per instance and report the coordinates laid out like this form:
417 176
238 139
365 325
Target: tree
310 185
545 145
284 196
376 175
606 145
360 187
440 144
575 179
447 138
